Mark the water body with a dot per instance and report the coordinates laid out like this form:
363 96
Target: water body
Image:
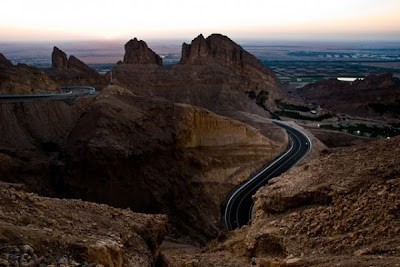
347 79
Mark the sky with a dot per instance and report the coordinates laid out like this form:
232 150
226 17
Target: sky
50 20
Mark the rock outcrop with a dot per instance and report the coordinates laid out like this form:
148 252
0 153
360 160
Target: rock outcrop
59 59
137 52
23 79
214 73
36 231
4 62
72 71
223 50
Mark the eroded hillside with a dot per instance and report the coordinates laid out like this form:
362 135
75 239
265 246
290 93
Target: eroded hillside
145 153
37 231
340 209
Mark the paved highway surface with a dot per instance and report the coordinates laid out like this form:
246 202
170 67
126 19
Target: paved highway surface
68 93
238 209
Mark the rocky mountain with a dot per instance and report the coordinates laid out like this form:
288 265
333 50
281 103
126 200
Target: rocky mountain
137 52
158 157
23 79
216 78
370 97
104 149
224 51
72 71
175 140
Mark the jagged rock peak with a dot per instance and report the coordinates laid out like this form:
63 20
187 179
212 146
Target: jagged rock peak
137 52
4 62
59 59
219 48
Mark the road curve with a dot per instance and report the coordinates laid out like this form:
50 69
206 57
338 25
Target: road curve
68 92
237 210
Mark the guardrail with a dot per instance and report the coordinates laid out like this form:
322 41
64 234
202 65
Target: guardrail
69 92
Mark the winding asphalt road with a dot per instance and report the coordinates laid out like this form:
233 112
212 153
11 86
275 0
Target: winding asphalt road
69 92
238 208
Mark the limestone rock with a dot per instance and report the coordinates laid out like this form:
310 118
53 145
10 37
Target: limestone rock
4 61
59 59
137 52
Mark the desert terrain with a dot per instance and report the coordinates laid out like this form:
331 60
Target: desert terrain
136 174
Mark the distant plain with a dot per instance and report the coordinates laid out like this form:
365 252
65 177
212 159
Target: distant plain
295 62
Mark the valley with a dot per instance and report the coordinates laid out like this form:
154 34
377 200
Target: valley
138 172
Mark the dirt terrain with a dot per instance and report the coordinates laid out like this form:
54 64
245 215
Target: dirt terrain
38 231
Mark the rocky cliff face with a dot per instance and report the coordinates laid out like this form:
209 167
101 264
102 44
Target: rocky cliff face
224 51
23 79
33 136
340 209
137 52
38 231
59 59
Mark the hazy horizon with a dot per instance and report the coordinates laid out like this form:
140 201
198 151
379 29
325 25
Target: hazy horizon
284 20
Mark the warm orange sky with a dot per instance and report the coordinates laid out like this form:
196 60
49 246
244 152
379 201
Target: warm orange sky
45 20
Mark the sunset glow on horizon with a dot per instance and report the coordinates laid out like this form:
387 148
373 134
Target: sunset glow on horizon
44 20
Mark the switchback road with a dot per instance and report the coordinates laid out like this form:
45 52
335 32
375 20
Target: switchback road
238 208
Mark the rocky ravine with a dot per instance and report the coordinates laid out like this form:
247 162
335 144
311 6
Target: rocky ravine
341 209
141 152
158 157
